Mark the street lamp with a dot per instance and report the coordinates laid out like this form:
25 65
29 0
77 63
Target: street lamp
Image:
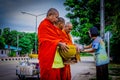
36 16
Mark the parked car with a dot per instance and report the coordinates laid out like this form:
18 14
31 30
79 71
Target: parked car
27 69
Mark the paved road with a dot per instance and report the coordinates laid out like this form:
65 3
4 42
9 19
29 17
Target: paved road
84 69
7 70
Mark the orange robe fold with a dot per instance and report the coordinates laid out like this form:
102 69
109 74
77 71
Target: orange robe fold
66 71
48 40
67 38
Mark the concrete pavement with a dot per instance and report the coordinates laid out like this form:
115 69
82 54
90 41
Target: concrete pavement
84 70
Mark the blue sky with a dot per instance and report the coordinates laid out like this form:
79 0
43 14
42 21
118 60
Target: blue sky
11 16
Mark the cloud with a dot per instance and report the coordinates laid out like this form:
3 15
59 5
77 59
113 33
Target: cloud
10 11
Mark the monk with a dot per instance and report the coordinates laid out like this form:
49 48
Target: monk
66 71
65 36
48 41
60 25
58 61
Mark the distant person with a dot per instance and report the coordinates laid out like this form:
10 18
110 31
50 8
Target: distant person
48 41
98 47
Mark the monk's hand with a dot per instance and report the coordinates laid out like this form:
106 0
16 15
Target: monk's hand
63 47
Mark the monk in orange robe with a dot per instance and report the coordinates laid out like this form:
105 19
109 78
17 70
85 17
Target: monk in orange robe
66 71
65 36
48 41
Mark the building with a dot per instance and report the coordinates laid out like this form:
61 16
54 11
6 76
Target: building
5 52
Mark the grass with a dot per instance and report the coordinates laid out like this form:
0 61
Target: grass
85 54
114 72
114 69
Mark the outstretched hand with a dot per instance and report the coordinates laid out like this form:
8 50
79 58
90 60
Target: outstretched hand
63 47
79 47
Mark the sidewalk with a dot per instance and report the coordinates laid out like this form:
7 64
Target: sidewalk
84 70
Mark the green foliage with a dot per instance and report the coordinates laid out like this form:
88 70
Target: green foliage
85 54
113 25
86 13
12 54
2 42
114 70
83 15
25 44
13 36
21 39
6 35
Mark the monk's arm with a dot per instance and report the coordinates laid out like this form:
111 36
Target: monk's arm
63 46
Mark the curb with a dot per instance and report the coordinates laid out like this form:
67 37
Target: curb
14 58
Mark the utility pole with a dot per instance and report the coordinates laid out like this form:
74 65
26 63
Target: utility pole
17 44
102 21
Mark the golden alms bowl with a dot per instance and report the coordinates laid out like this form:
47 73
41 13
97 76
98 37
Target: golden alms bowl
70 54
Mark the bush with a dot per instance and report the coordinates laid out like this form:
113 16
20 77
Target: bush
12 54
85 54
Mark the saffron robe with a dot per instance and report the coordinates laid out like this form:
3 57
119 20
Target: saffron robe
58 61
66 38
48 40
66 71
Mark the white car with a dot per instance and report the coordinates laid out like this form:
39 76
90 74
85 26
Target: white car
27 69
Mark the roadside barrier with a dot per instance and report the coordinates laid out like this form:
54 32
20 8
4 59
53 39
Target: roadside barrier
14 58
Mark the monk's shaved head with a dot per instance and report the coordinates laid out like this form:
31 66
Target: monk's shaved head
52 15
52 11
60 23
68 24
60 20
68 27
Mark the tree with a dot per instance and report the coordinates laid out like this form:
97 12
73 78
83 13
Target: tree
86 13
2 42
13 34
25 44
114 26
7 36
83 14
31 36
25 40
